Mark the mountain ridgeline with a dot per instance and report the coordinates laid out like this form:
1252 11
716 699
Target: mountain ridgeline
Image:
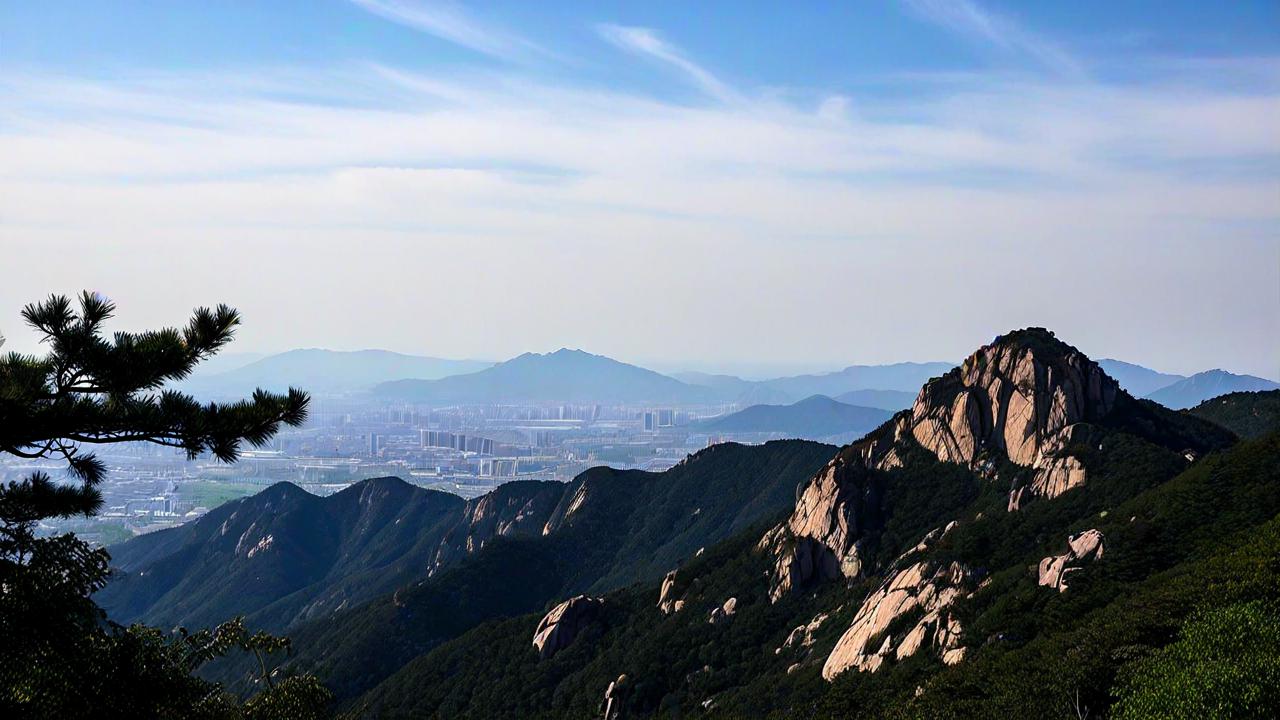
814 418
1026 539
325 372
562 376
285 557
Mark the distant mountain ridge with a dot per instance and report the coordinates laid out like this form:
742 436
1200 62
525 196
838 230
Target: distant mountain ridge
1207 385
888 387
326 372
562 376
814 418
1138 380
891 400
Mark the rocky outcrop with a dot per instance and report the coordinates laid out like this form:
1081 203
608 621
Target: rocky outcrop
801 637
513 509
823 538
724 612
1082 547
667 602
1025 396
613 698
917 598
559 627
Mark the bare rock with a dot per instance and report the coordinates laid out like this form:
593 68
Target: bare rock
559 627
923 587
724 612
822 540
612 698
801 637
1082 547
666 600
1022 395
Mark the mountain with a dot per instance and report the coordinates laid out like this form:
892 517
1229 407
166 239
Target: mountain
1027 540
1247 414
325 372
813 418
891 400
562 376
281 555
904 377
1209 384
733 389
285 558
1138 380
888 387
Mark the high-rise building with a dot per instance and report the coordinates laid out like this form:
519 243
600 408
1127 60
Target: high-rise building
648 422
666 418
373 444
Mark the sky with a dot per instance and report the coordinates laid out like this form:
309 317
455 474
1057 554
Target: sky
718 186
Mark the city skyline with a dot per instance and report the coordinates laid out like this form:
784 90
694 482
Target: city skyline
798 187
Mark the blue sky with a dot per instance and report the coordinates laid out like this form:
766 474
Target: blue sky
720 185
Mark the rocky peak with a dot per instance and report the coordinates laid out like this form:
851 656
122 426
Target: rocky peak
1019 396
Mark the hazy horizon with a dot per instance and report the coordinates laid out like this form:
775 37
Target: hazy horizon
798 188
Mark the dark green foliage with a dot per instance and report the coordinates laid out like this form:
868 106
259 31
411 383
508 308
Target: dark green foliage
631 526
348 547
1225 664
1247 414
1159 425
60 658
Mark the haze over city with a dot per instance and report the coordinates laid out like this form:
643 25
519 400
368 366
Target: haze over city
786 190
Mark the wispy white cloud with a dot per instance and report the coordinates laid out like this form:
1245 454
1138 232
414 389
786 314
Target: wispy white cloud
646 42
979 25
340 216
450 22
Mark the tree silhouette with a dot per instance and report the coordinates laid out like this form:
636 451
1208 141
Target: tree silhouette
60 656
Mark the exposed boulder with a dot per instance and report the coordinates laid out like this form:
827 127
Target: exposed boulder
724 612
1054 569
923 590
801 637
559 627
1025 395
666 596
612 697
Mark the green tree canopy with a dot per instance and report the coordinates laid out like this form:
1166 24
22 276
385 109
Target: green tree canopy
61 656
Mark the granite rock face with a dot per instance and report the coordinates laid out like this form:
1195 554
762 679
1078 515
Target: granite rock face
1085 546
923 590
561 626
822 539
1027 395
